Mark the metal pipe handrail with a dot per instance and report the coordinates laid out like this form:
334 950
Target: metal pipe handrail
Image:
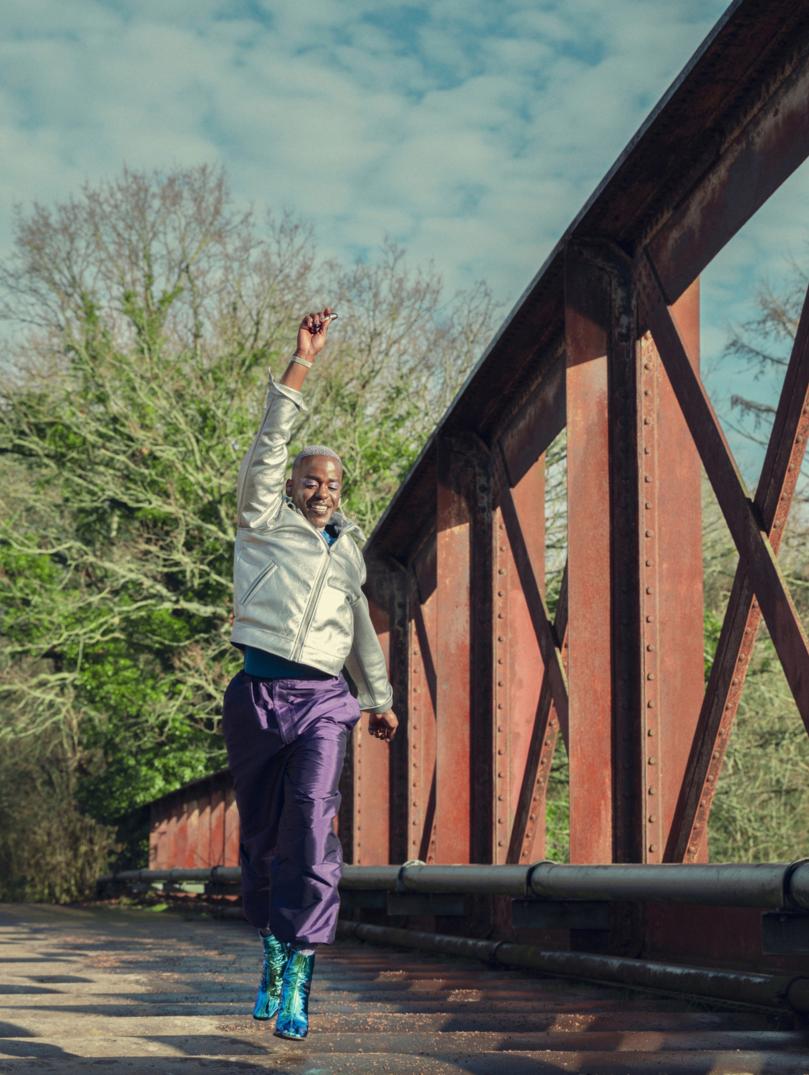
725 884
226 874
769 990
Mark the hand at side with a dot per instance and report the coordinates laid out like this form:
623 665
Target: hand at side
383 725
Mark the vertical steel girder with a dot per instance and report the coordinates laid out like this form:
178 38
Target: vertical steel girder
463 696
635 566
370 770
420 722
518 661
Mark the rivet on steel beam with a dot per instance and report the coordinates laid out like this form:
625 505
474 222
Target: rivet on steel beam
647 421
650 648
651 759
647 505
652 818
650 704
649 533
650 731
649 589
499 798
647 451
501 775
500 638
499 683
500 751
499 593
501 571
647 365
532 817
647 478
651 791
648 619
500 615
647 392
499 660
648 563
499 727
653 847
499 705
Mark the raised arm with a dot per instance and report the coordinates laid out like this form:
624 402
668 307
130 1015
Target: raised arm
260 490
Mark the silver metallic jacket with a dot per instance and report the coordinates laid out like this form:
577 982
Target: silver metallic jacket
294 595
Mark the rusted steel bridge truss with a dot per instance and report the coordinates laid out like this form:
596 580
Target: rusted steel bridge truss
604 344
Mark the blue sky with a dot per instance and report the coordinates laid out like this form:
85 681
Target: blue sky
470 131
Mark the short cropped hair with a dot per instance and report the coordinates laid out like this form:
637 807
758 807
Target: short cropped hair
316 449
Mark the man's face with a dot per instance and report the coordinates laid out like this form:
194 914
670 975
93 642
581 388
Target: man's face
315 488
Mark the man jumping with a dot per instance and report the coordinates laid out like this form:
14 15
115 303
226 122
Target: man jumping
300 617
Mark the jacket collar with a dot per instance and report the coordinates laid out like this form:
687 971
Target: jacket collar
341 524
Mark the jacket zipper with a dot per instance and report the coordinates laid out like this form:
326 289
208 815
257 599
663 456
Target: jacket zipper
314 597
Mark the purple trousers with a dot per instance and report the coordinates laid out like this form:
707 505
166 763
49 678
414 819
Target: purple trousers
286 741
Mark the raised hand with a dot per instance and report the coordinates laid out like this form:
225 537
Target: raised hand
312 332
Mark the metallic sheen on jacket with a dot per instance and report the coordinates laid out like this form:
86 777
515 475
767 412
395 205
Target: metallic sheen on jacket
294 595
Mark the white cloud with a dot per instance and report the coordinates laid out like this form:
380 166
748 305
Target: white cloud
472 132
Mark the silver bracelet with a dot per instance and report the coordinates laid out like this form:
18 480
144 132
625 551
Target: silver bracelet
302 361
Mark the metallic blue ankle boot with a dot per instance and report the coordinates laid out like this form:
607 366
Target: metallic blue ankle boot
272 973
293 1013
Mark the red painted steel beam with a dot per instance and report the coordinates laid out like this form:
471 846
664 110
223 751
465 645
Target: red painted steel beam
634 570
421 710
453 659
749 166
529 831
462 655
231 829
519 666
217 831
776 487
743 520
371 775
671 592
531 580
593 761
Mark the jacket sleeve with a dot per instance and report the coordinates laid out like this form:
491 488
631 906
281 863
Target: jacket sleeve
260 489
366 663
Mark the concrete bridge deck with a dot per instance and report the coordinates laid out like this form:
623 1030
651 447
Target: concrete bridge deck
123 991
